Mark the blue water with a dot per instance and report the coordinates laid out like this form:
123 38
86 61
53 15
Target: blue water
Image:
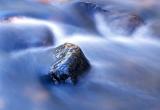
124 74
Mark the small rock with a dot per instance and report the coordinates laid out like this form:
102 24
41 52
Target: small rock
71 62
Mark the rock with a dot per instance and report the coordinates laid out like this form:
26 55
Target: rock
124 23
88 7
71 62
14 37
84 13
120 21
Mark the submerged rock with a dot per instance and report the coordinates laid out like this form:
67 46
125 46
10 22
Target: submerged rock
71 62
14 37
124 22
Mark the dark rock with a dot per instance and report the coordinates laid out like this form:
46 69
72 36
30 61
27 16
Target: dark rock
83 12
88 7
71 62
15 37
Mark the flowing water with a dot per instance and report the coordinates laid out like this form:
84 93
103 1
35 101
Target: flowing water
124 74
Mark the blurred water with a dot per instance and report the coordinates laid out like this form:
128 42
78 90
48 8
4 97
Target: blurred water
125 73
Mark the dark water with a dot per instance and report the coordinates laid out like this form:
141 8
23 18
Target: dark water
125 72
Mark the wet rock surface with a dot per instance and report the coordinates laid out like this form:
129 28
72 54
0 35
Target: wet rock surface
15 37
71 62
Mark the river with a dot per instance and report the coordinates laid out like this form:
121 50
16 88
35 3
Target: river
124 74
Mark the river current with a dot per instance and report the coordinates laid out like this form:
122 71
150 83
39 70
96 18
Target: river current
125 69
